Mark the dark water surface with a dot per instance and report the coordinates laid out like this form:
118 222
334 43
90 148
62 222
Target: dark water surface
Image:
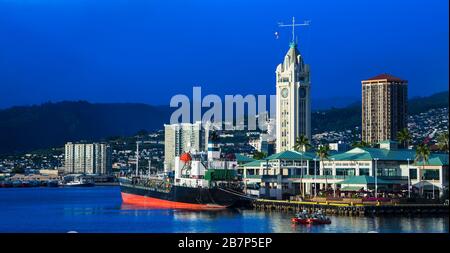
100 210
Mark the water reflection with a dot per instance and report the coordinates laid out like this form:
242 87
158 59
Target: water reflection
101 210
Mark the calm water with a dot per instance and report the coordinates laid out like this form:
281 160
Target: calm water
99 210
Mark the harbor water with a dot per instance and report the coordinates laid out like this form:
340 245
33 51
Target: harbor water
100 210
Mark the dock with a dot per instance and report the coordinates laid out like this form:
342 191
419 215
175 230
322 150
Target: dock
351 209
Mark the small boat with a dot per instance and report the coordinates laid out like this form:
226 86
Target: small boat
26 184
79 182
315 219
319 218
52 183
301 218
7 184
34 183
17 183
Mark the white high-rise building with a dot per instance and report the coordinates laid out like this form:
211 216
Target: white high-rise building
88 158
180 138
293 100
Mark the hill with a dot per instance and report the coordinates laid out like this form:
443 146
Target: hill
27 128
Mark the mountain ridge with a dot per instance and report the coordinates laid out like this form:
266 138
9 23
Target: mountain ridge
26 128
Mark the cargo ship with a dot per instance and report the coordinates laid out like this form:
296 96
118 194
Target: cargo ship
198 181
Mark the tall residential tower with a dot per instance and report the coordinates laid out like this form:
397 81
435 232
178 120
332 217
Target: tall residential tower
180 138
384 107
88 158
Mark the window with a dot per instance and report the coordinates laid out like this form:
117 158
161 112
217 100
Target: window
389 172
364 172
327 171
345 172
413 173
431 175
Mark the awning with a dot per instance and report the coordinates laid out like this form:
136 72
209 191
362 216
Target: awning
352 188
364 180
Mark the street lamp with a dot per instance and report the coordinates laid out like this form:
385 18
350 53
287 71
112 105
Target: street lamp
409 181
301 173
334 169
376 172
315 178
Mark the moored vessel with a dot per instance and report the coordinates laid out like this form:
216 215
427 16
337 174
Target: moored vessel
197 181
76 181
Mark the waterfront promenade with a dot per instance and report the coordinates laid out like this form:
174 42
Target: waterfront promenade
353 208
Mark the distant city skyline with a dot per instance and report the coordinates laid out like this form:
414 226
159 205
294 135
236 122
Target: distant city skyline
117 51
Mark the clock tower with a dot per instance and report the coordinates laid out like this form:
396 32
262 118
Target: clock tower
293 100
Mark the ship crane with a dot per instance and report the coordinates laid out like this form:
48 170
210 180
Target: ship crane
137 157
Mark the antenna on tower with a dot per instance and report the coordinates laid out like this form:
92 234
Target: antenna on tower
293 25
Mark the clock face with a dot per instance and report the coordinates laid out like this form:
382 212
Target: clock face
284 92
302 92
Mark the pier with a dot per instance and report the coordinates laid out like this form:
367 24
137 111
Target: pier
352 209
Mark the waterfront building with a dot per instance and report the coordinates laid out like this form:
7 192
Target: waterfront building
181 138
339 146
384 107
292 173
49 172
87 158
293 100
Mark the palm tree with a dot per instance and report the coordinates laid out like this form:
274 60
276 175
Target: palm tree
404 137
422 155
259 155
302 144
442 141
322 153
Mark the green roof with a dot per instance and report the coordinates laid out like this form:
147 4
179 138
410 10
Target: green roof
356 154
292 155
363 180
435 160
368 154
255 163
243 159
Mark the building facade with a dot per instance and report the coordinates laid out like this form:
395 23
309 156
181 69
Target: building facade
180 138
302 173
384 107
87 158
293 100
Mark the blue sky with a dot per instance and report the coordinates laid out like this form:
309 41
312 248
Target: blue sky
148 51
